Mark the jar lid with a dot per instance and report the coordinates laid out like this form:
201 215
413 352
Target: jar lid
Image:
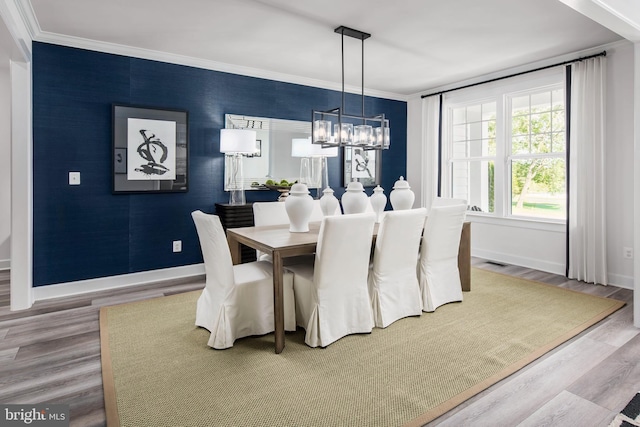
401 184
378 189
299 189
327 190
355 186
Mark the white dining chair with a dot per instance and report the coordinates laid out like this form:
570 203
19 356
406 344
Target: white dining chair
447 201
393 282
237 300
439 276
332 299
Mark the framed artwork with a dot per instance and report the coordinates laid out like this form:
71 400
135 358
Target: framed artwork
150 150
361 165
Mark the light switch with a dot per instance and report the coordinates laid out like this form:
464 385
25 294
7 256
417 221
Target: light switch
74 178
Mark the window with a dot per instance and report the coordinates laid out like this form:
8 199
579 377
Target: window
506 154
537 160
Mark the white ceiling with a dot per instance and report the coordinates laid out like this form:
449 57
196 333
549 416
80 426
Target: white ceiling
416 45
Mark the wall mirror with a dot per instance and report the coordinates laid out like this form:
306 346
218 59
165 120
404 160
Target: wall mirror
273 157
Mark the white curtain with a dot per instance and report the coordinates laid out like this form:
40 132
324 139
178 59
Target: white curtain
430 154
586 223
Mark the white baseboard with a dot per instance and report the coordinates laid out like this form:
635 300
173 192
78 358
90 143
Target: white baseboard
618 280
114 282
549 267
5 264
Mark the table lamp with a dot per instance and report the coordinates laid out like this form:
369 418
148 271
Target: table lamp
234 143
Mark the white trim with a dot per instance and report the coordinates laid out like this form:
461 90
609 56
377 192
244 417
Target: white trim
532 224
5 264
620 280
636 186
536 264
28 15
12 16
113 282
21 294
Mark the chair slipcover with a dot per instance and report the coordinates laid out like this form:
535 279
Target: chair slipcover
332 299
439 275
393 282
237 300
445 201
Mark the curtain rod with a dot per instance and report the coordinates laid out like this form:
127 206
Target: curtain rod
603 53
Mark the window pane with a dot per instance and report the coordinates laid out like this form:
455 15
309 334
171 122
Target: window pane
475 130
460 132
489 129
520 125
541 122
557 121
538 188
474 113
557 97
474 182
458 115
481 147
541 143
520 105
541 101
559 142
489 111
460 150
520 144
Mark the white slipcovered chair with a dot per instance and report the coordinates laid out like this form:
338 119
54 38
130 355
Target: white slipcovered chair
439 275
237 300
393 282
332 299
446 201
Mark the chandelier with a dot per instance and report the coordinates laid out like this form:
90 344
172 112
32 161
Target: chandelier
335 128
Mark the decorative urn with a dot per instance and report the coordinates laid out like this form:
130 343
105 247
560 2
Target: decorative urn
354 200
298 205
378 202
401 197
328 202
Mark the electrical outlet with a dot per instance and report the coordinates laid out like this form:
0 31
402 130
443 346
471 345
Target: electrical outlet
177 246
74 178
627 253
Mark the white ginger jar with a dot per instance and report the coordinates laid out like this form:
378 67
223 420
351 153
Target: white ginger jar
354 200
401 197
328 202
298 205
378 202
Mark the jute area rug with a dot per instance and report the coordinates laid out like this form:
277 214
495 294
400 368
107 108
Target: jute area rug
158 370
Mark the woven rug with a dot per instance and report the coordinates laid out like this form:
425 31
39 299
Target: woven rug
630 415
158 370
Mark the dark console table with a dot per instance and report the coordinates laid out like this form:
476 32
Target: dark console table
234 216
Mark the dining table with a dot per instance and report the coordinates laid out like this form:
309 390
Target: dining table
280 243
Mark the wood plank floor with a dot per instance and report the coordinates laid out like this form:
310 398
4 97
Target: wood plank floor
51 353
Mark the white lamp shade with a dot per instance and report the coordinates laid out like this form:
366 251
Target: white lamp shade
318 151
301 147
237 141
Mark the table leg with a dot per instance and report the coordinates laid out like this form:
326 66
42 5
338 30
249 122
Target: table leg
464 257
234 248
278 302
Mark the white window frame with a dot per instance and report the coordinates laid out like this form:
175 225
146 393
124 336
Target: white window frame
501 93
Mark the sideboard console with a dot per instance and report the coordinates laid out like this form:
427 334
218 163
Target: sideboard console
234 216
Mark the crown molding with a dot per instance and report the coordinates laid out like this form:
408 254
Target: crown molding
37 34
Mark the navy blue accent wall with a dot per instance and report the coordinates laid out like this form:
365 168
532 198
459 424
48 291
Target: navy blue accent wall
84 232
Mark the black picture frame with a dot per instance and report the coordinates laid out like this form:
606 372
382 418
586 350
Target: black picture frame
367 170
150 150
